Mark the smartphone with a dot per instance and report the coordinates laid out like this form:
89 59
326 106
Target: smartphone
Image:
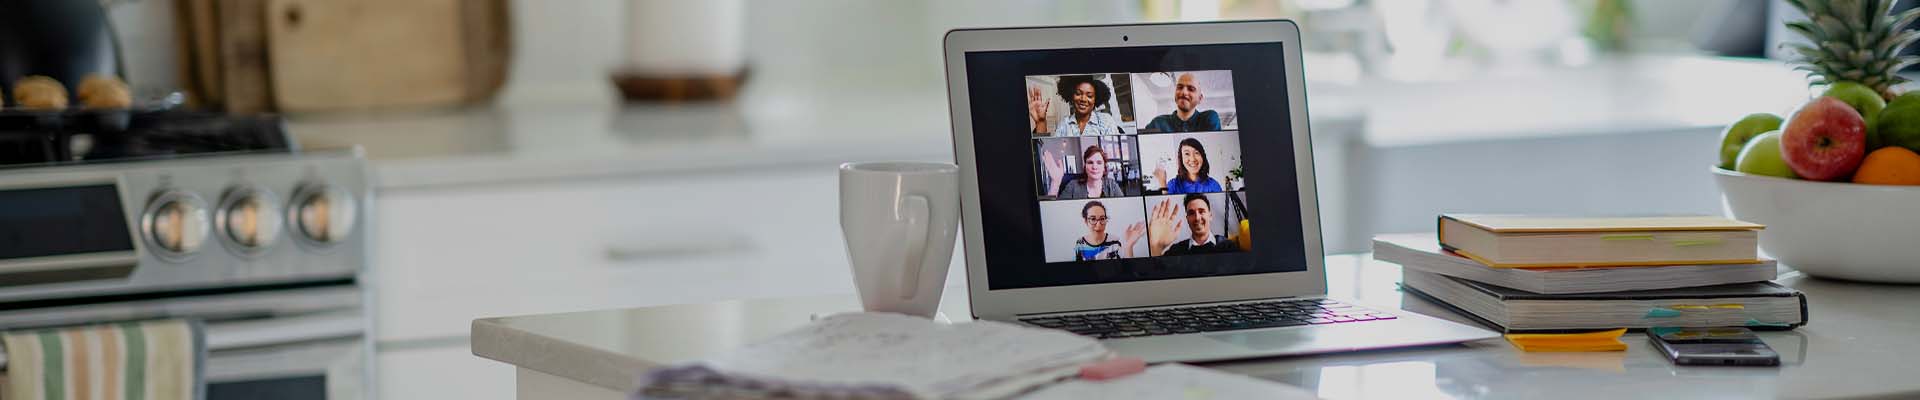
1713 346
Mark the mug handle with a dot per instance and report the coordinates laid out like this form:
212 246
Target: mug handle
916 210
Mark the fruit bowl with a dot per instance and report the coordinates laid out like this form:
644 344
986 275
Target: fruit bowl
1848 231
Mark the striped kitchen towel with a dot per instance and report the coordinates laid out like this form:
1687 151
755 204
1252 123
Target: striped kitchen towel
150 360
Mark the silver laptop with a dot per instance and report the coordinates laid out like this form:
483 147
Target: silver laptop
1111 176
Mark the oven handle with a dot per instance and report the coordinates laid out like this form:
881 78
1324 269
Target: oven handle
285 330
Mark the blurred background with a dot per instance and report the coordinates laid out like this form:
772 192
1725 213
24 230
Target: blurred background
543 156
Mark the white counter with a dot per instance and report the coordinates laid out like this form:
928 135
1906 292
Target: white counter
1856 345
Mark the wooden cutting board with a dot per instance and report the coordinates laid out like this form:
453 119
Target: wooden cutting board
335 55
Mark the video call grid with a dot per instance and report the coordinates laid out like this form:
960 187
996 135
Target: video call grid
1105 103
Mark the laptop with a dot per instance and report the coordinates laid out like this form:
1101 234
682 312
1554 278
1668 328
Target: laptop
1111 177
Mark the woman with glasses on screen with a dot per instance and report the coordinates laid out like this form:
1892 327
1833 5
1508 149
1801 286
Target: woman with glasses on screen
1194 167
1097 245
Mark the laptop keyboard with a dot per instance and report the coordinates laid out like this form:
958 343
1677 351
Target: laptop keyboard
1213 318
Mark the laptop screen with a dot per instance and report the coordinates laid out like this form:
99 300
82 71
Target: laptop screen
1105 165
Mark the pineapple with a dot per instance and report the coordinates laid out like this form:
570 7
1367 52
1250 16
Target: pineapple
1853 41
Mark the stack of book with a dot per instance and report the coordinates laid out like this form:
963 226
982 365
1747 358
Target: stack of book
1548 274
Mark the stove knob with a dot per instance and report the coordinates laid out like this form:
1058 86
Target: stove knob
249 218
176 222
323 214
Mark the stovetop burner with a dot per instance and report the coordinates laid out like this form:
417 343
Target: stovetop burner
36 138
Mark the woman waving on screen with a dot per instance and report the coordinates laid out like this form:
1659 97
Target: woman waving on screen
1193 172
1097 244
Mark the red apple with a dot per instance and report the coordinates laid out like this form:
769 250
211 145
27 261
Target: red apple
1825 140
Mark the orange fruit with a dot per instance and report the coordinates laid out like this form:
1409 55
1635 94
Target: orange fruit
1891 165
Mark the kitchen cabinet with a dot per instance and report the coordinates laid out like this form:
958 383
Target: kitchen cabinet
445 257
448 255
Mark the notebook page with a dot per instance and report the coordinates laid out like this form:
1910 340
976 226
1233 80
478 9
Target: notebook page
1173 381
927 358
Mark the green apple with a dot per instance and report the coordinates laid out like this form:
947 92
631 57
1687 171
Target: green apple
1899 124
1737 135
1865 101
1761 156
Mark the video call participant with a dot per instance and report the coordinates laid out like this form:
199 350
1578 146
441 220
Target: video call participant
1083 94
1184 118
1091 184
1097 245
1199 222
1194 168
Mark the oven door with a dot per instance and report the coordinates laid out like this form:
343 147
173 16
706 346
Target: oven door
321 356
328 370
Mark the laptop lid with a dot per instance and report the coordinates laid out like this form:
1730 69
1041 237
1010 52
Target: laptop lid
1126 165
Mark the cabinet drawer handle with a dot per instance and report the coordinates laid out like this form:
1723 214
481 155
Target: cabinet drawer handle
681 246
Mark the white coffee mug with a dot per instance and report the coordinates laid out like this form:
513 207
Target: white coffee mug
899 219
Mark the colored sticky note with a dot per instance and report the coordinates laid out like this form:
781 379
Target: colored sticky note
1686 307
1612 345
1729 306
1569 342
1662 330
1606 334
1695 242
1658 312
1755 322
1112 368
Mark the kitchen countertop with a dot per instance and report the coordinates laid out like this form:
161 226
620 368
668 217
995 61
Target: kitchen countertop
593 137
1614 95
584 132
1856 345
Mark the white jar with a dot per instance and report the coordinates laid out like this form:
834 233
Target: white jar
681 38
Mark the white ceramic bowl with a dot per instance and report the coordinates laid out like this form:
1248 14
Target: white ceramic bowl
1831 230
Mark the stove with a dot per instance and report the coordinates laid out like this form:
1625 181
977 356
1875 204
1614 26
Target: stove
30 138
115 215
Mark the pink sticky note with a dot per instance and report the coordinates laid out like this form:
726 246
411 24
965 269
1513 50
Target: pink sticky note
1112 368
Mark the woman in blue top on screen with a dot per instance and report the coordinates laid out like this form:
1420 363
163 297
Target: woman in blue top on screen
1194 167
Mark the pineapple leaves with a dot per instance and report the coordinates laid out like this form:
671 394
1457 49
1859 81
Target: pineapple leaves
1807 29
1902 62
1893 44
1806 52
1830 27
1853 40
1876 14
1905 18
1809 8
1836 51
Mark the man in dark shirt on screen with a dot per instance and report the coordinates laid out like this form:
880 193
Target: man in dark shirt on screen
1186 116
1199 221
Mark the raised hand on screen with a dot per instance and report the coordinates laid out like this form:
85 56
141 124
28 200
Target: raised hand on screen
1163 225
1037 107
1134 232
1055 169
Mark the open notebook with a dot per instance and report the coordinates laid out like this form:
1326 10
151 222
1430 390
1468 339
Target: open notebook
893 356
